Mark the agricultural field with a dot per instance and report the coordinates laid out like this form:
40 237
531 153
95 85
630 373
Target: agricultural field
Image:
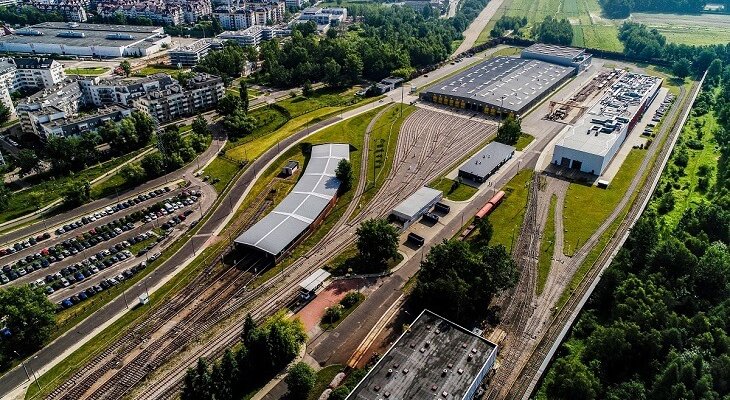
702 29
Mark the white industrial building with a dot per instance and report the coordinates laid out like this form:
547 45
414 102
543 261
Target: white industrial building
412 208
590 145
560 55
86 40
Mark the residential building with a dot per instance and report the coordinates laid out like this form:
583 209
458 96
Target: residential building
190 55
5 3
158 11
7 83
323 16
86 40
70 10
60 101
101 92
250 14
254 35
78 124
37 73
294 3
202 92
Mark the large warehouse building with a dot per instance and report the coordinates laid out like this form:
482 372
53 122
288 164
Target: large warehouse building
305 206
501 85
590 145
561 55
434 359
486 162
86 40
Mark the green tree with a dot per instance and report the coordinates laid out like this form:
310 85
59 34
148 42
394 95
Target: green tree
28 162
228 105
198 383
243 93
340 393
144 127
333 313
681 68
153 165
572 381
5 195
307 89
30 318
239 124
223 388
77 192
510 130
300 381
200 126
484 231
344 175
133 173
554 31
377 242
332 73
4 113
126 67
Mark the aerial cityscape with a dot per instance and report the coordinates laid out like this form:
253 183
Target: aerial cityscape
364 199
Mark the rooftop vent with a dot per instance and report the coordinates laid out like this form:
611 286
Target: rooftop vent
29 32
119 36
71 34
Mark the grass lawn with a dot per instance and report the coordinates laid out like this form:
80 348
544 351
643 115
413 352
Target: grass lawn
324 377
507 218
547 248
458 192
383 143
524 140
586 207
155 69
221 171
86 71
329 325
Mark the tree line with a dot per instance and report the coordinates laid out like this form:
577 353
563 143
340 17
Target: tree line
27 15
624 8
263 352
506 23
656 326
554 31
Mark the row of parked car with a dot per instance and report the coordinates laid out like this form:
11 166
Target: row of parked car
98 262
24 244
94 236
105 284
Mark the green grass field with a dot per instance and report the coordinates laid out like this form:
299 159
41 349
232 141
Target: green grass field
547 248
155 69
586 207
459 192
221 171
93 71
324 377
508 216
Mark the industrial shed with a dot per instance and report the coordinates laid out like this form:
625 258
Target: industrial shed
561 55
412 208
501 85
433 359
304 207
590 145
486 162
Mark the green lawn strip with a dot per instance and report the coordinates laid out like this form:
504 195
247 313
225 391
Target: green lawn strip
156 69
383 143
452 191
345 312
547 248
324 377
252 146
347 262
508 216
586 207
67 367
44 193
524 140
221 171
349 131
86 71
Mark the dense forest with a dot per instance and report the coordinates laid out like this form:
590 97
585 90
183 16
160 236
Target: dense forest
623 8
656 326
554 31
390 40
27 15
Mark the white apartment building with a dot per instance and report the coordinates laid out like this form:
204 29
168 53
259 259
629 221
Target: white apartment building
168 104
27 73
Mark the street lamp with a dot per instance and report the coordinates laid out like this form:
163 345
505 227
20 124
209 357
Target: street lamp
36 377
22 362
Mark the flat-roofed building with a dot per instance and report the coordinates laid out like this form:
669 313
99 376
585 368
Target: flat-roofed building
433 359
561 55
590 144
303 209
175 101
499 86
85 40
190 55
415 205
254 35
37 73
486 162
76 125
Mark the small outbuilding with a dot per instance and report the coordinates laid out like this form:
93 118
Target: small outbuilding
486 162
290 168
412 208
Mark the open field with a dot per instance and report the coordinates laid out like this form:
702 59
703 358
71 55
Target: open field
507 217
459 192
86 71
221 171
155 69
547 247
688 29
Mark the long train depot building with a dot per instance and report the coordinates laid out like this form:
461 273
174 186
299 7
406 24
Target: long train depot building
510 85
590 145
303 209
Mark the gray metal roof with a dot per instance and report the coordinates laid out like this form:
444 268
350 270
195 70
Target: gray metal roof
309 197
416 363
554 50
313 281
415 202
93 34
487 159
516 80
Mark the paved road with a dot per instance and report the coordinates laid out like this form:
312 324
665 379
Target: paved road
477 26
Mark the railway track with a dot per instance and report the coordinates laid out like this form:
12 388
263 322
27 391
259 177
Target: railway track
427 146
525 381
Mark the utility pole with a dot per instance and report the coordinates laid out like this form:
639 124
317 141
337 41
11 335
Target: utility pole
23 364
